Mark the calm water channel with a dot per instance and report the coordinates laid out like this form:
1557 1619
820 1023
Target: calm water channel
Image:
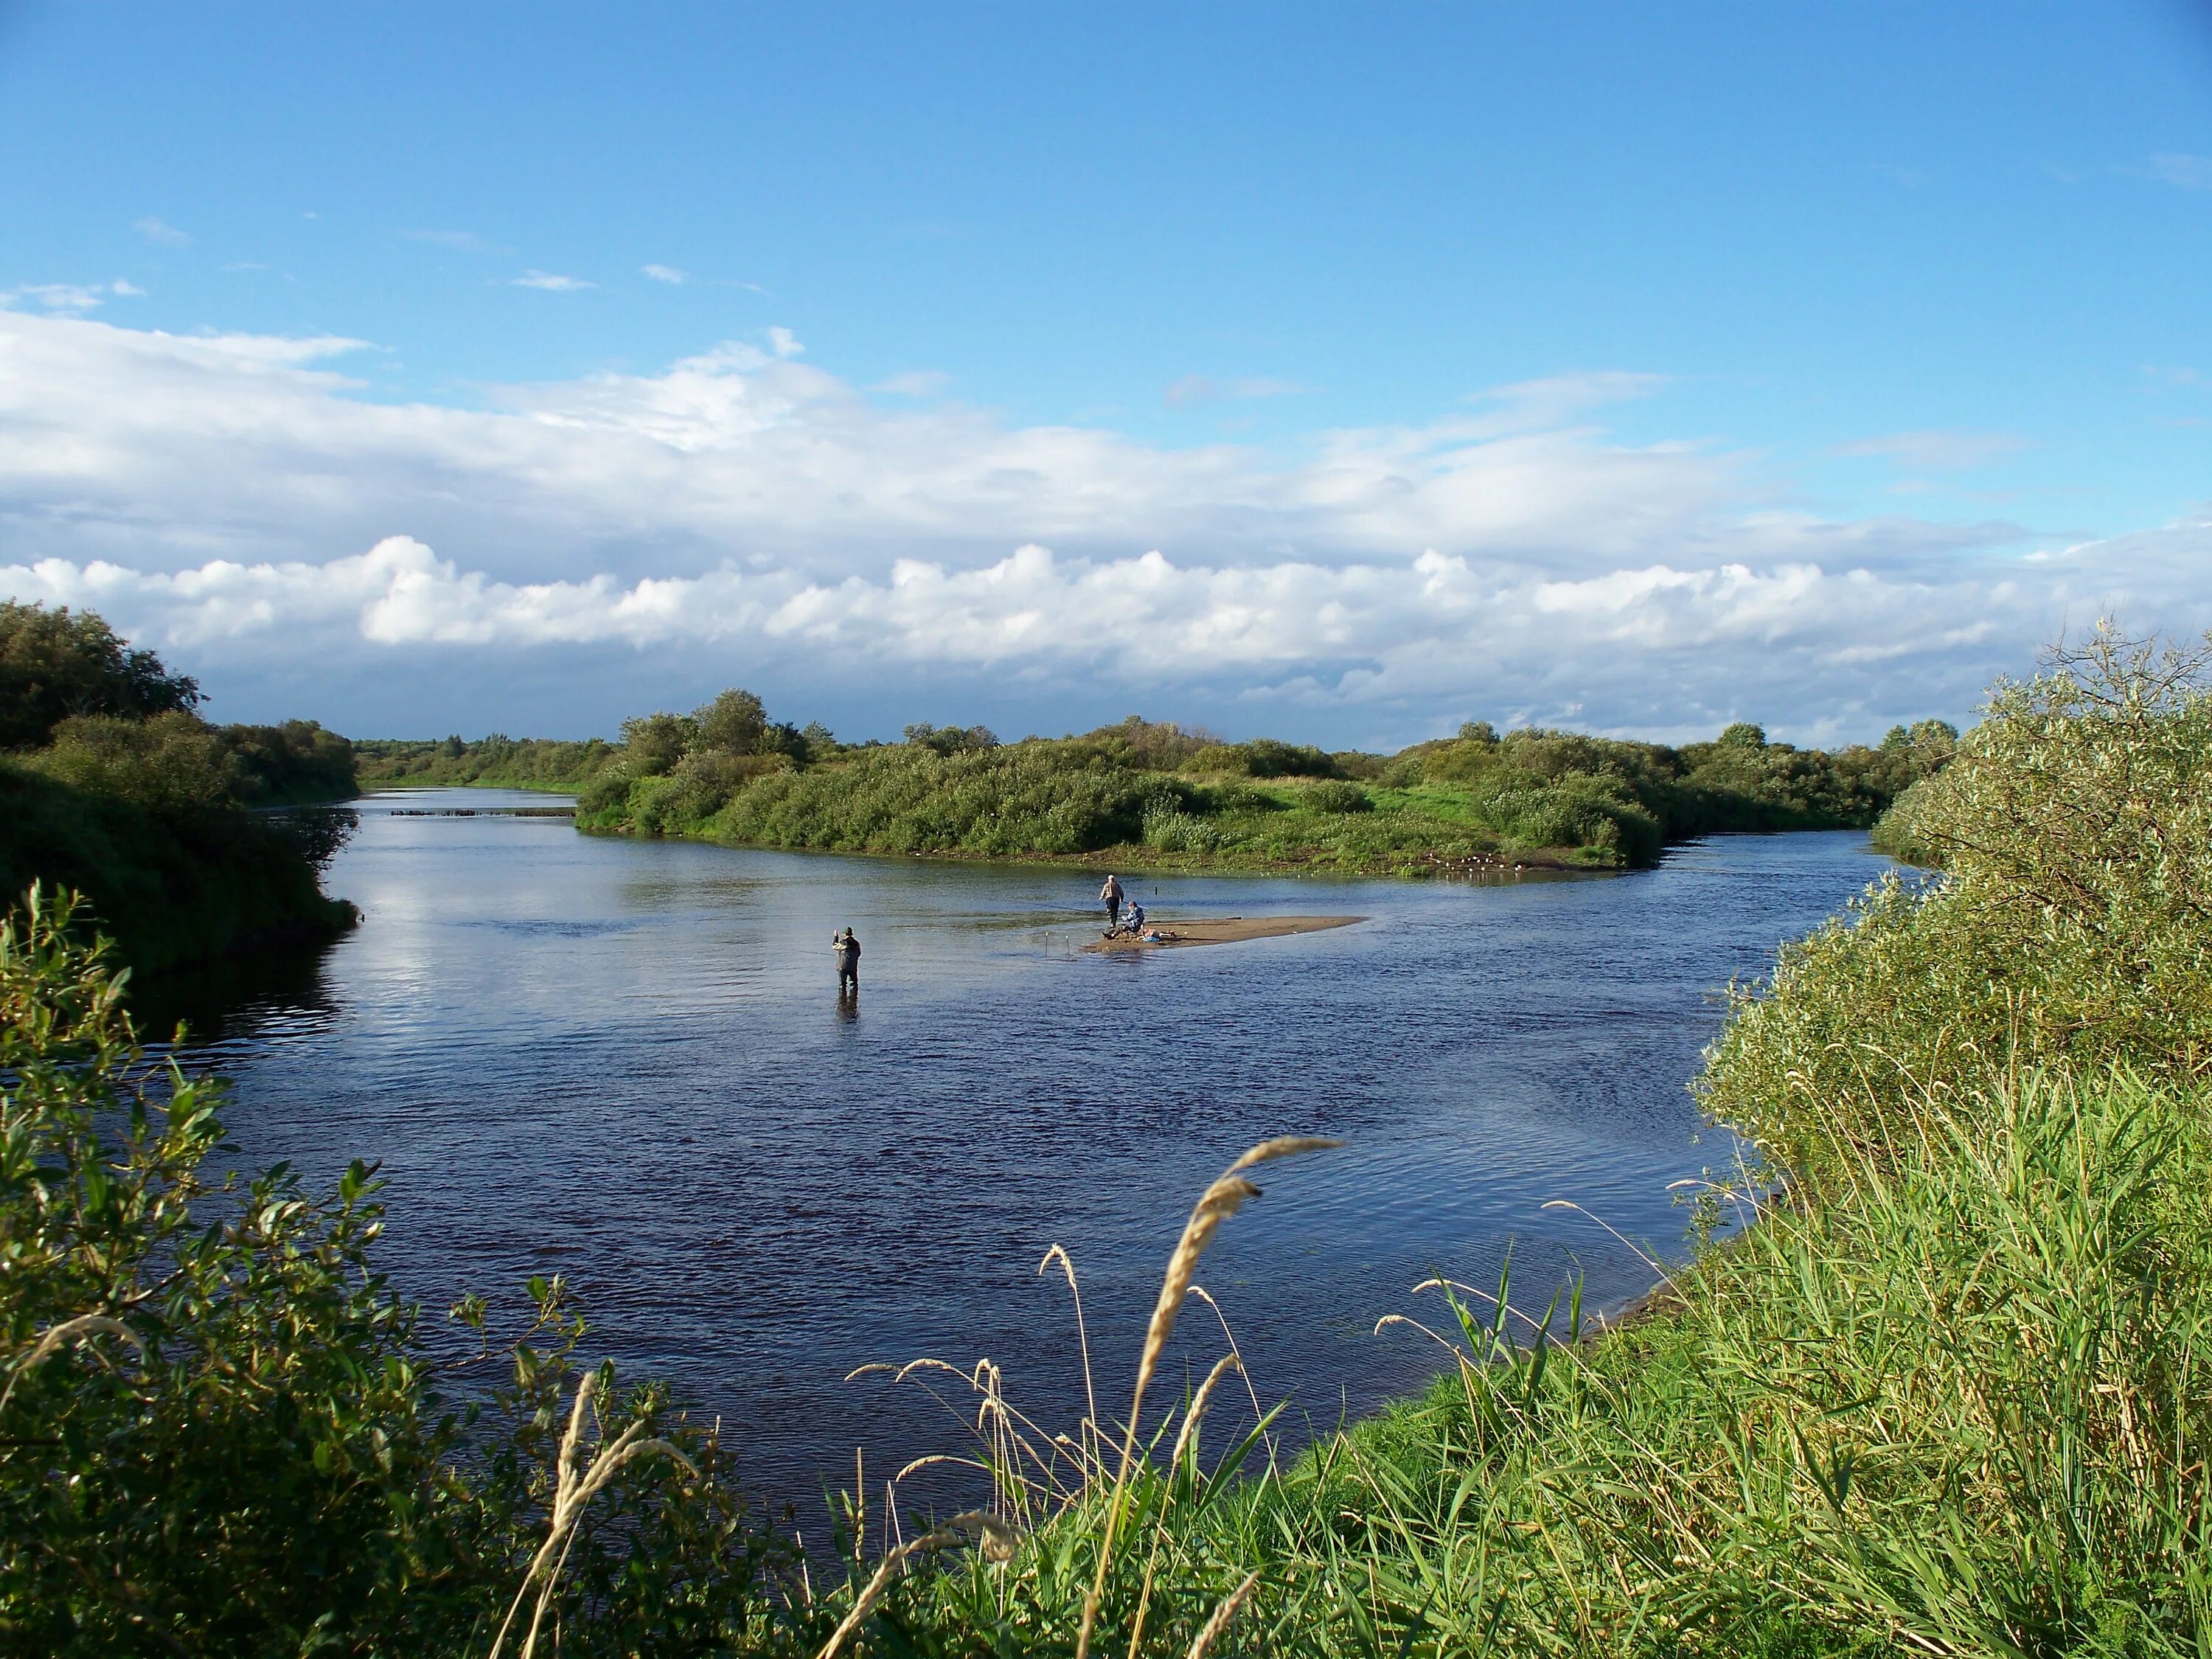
624 1061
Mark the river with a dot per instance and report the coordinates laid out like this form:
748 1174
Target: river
624 1061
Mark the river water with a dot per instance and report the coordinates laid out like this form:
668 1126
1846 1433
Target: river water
625 1061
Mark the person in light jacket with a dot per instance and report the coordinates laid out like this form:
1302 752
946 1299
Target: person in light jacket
1110 895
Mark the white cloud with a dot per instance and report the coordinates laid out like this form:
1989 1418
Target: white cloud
155 230
665 274
69 298
784 343
2187 172
550 282
1938 452
742 515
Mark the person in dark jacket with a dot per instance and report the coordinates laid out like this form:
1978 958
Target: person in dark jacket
848 962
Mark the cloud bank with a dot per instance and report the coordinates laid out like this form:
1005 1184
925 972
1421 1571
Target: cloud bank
620 541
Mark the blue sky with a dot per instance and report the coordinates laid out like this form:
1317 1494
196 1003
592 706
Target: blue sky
1917 292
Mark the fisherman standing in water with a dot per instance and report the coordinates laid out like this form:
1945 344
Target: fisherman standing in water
1111 894
848 962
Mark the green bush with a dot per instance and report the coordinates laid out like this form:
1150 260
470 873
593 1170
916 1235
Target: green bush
2074 829
495 761
1332 795
55 666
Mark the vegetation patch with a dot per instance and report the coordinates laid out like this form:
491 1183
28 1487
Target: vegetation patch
112 785
1147 795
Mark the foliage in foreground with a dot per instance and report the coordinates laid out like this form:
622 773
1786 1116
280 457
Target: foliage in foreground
219 1433
1141 793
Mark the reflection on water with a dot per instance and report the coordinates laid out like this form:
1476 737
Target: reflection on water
627 1061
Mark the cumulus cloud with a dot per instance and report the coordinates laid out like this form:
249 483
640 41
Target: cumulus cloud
666 274
550 282
745 515
155 230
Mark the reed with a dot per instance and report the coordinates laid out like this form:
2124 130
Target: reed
1228 1194
578 1480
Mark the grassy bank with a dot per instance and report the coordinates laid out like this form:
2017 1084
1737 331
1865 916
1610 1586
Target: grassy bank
1148 795
113 786
1949 1392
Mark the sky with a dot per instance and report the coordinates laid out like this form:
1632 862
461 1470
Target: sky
1340 373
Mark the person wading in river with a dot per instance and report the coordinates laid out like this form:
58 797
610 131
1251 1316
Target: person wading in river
848 962
1110 895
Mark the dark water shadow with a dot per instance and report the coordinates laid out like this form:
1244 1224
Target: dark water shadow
233 997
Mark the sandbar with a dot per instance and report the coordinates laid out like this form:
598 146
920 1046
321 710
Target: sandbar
1220 930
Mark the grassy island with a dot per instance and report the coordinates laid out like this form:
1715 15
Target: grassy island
1146 794
1944 1388
110 785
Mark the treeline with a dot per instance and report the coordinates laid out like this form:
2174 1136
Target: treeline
111 784
1943 1391
1147 793
497 762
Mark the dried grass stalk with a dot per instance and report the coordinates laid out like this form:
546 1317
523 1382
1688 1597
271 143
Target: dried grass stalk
1223 1616
998 1542
1215 1205
1201 1400
575 1483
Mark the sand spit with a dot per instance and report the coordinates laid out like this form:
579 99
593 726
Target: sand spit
1220 930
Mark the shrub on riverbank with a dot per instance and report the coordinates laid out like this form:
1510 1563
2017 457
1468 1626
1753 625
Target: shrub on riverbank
119 790
1144 794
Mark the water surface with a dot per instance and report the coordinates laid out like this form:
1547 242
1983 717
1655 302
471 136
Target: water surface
625 1061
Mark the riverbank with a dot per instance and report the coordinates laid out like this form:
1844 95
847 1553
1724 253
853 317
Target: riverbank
1152 795
112 786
